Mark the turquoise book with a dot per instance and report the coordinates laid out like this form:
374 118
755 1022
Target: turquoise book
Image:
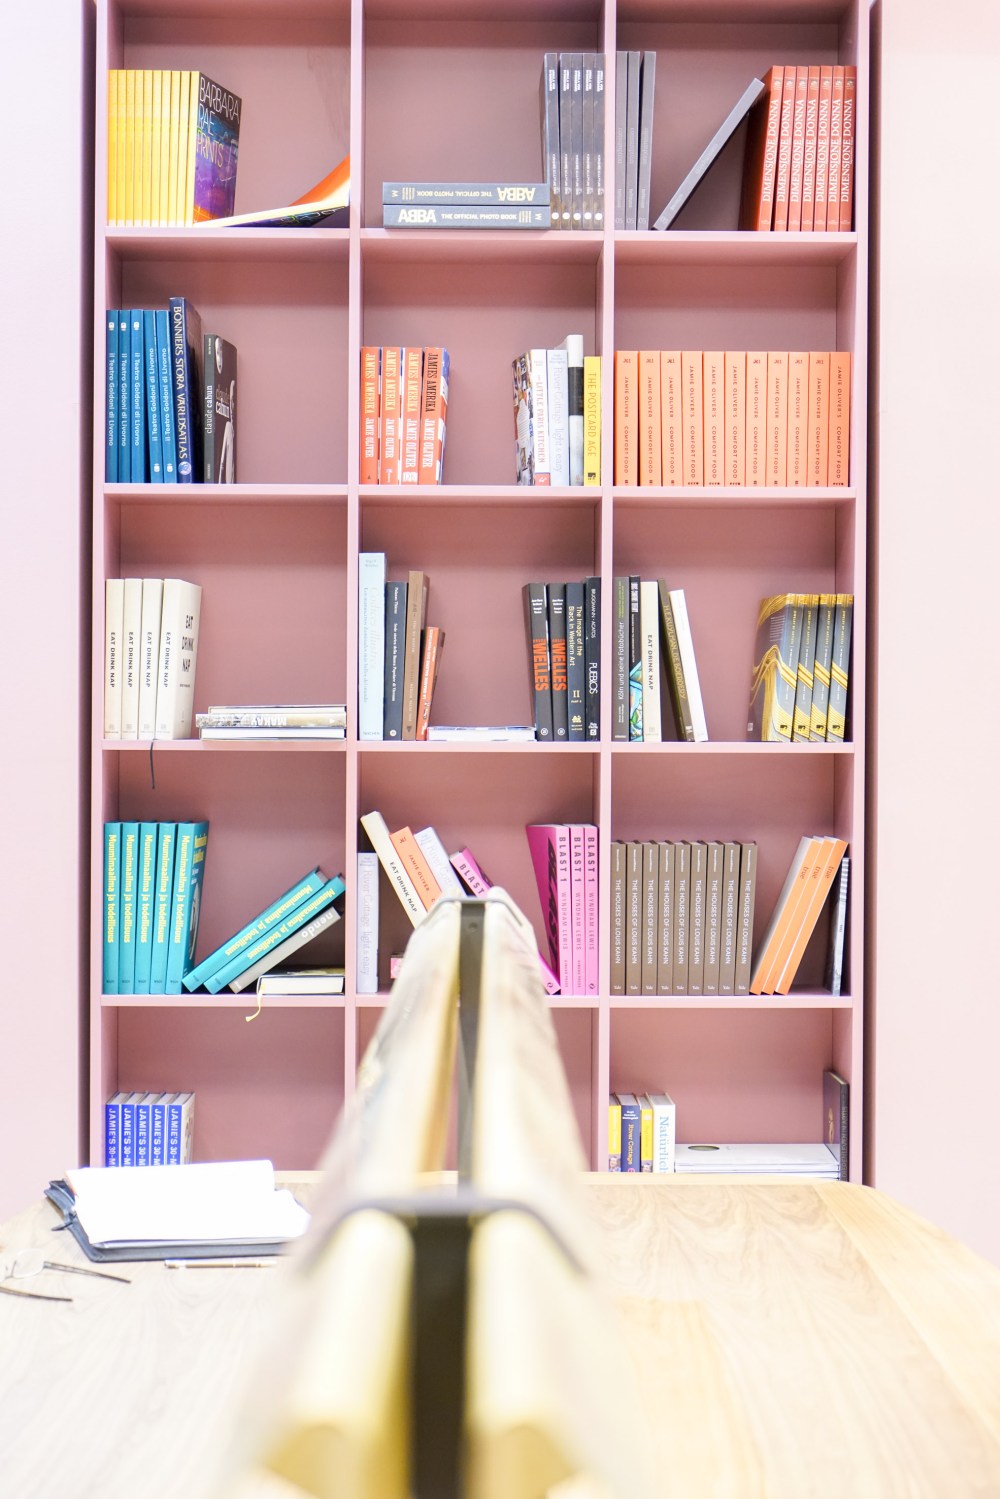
276 934
126 925
185 906
112 905
145 885
162 897
271 916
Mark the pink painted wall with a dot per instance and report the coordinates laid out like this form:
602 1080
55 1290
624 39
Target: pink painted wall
934 1047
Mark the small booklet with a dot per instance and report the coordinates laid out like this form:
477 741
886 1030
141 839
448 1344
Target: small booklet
326 203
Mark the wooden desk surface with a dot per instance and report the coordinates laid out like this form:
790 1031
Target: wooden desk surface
791 1340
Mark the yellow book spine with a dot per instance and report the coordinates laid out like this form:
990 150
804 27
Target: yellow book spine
182 140
154 147
112 216
120 107
614 1135
592 423
645 1137
192 142
175 129
147 145
164 171
129 196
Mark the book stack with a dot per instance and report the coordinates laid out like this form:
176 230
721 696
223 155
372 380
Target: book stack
564 858
801 668
300 913
466 205
238 723
563 629
552 393
151 628
681 916
572 112
399 653
759 417
173 144
817 865
148 1129
808 1159
799 171
170 398
635 89
652 632
153 875
404 413
642 1132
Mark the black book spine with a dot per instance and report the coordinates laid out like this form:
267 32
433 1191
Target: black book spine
592 655
395 628
536 624
576 663
557 646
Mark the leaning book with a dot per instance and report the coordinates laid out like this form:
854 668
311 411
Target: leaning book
327 203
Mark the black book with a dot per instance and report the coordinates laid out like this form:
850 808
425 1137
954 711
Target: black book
219 461
837 1118
592 655
576 665
730 124
647 90
536 624
395 633
557 648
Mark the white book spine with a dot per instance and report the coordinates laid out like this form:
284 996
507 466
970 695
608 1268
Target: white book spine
114 613
664 1131
179 627
371 644
573 344
131 637
374 825
557 369
538 381
685 644
366 979
149 646
649 631
441 866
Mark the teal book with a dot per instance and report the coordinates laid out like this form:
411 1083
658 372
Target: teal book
185 905
271 916
112 905
257 949
126 925
162 897
145 885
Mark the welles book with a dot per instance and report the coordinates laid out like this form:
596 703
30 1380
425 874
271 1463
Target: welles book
220 411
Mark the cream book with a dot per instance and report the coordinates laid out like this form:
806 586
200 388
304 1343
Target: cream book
178 658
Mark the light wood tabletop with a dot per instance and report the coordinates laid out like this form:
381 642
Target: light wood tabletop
789 1340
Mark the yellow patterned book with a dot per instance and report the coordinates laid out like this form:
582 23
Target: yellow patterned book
592 419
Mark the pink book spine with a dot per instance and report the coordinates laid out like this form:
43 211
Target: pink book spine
550 857
591 912
577 908
470 873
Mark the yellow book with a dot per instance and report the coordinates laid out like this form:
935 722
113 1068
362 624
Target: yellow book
194 80
112 217
154 142
172 145
147 147
128 217
183 116
614 1135
645 1134
592 419
163 176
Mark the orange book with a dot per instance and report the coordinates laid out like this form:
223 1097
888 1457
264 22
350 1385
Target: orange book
713 410
433 415
791 899
836 142
819 418
783 170
822 147
671 409
756 414
413 860
847 133
411 365
821 880
390 413
370 362
736 417
809 150
798 148
650 455
776 470
757 202
430 665
798 419
839 441
692 436
626 416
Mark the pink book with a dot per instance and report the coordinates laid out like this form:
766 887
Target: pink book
576 870
590 909
470 873
548 844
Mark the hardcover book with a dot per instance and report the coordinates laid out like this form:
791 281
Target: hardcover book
220 411
180 625
185 907
466 216
303 929
394 641
215 144
186 354
837 1119
450 194
398 875
730 124
272 915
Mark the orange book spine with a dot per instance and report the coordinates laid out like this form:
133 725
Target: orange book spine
819 417
823 147
822 878
798 415
809 150
839 440
798 149
847 131
432 397
770 961
412 857
626 411
757 204
836 142
756 410
650 454
411 374
430 664
692 436
776 470
670 417
736 417
389 417
713 412
783 171
370 363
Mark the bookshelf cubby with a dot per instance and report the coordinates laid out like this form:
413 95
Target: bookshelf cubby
448 90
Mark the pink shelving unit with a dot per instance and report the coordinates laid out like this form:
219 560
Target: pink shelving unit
449 90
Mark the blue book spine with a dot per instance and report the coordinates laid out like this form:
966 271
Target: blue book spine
139 450
157 1131
302 914
165 841
179 1123
153 427
126 926
142 1130
112 905
124 400
168 433
111 397
276 912
185 911
631 1132
185 348
126 1134
145 890
112 1130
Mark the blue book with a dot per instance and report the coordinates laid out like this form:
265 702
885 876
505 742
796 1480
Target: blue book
126 1132
142 1129
631 1131
138 446
168 432
185 352
158 1130
124 400
111 396
180 1128
145 886
302 914
271 916
185 906
153 428
162 896
112 905
126 925
112 1129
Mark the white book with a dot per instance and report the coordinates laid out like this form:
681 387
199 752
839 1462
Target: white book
277 954
573 344
649 639
114 613
131 655
375 826
149 654
664 1130
807 1159
441 866
538 382
366 964
180 621
685 645
557 370
371 643
301 981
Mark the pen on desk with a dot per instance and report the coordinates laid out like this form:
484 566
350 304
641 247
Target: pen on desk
219 1264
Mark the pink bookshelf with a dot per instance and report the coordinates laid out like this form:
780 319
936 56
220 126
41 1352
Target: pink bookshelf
449 91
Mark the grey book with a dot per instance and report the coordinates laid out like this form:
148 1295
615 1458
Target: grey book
549 108
647 91
729 126
465 216
632 139
599 141
621 111
537 194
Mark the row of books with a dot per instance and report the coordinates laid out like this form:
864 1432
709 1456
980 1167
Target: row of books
819 865
635 94
563 629
399 654
173 147
149 1129
572 114
151 630
732 417
801 673
652 640
799 172
404 413
557 415
564 858
467 205
239 722
170 398
681 916
642 1132
153 876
